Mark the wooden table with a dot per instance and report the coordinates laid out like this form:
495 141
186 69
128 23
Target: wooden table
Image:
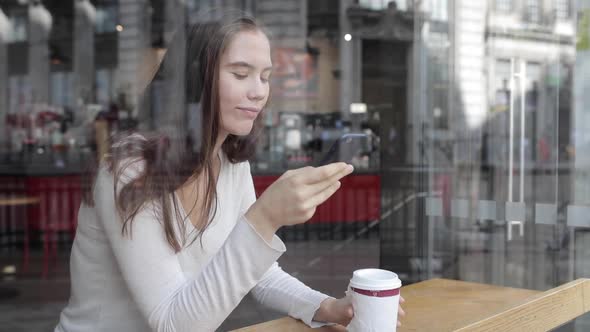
451 305
15 201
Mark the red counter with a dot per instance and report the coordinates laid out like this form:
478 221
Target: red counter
60 200
358 199
59 196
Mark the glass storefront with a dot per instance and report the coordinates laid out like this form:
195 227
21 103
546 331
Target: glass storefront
473 114
497 191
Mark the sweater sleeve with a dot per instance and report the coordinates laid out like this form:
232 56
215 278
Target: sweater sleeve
277 289
281 291
152 271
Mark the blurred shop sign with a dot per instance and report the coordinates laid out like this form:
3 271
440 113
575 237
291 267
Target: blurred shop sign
295 74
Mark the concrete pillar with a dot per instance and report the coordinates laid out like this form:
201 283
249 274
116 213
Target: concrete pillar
347 52
4 34
40 22
133 40
84 21
173 95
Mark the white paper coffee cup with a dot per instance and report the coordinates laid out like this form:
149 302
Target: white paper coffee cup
374 294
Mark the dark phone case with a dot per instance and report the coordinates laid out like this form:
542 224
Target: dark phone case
332 155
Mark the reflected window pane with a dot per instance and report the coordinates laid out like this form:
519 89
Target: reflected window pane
193 6
439 10
439 78
19 92
502 73
106 19
533 11
103 82
533 73
503 5
562 9
62 88
501 85
393 4
374 4
18 31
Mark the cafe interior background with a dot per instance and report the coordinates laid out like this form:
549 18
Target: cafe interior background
475 165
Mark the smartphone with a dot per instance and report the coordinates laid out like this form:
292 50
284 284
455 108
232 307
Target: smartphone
345 149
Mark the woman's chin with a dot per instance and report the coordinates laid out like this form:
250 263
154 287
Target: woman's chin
242 131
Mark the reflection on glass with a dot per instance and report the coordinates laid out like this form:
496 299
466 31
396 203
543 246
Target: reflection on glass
18 28
62 88
106 18
469 106
562 9
503 5
533 10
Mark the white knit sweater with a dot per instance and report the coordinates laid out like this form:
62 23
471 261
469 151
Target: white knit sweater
128 284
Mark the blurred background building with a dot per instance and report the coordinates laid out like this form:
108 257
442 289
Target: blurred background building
475 164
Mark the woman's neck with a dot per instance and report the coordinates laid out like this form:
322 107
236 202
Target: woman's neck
191 192
220 139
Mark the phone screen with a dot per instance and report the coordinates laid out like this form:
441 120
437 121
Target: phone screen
344 149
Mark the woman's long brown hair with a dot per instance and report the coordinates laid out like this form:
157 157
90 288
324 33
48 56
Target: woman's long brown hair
173 154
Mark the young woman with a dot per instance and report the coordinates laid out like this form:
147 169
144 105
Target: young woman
170 236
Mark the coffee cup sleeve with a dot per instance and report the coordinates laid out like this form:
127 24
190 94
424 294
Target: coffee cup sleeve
369 305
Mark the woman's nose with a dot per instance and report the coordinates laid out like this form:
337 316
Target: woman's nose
258 90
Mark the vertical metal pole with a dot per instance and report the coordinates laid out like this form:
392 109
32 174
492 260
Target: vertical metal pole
511 131
522 125
522 134
510 144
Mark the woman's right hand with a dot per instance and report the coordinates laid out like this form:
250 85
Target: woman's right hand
293 198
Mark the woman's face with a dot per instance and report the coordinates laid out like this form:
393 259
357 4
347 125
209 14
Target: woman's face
244 72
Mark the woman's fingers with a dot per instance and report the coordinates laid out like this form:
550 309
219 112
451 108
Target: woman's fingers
322 196
313 175
294 197
318 187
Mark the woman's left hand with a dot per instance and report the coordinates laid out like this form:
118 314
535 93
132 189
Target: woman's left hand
340 311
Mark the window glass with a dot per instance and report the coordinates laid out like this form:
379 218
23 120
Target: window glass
562 9
18 25
533 10
468 117
106 18
503 5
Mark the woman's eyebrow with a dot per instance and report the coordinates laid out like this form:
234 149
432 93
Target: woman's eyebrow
245 64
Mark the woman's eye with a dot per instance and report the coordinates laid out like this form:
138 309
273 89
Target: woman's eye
240 76
265 78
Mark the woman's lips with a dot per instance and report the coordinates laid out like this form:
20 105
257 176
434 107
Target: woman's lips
250 112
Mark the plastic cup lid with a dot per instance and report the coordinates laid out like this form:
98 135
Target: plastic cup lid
375 279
